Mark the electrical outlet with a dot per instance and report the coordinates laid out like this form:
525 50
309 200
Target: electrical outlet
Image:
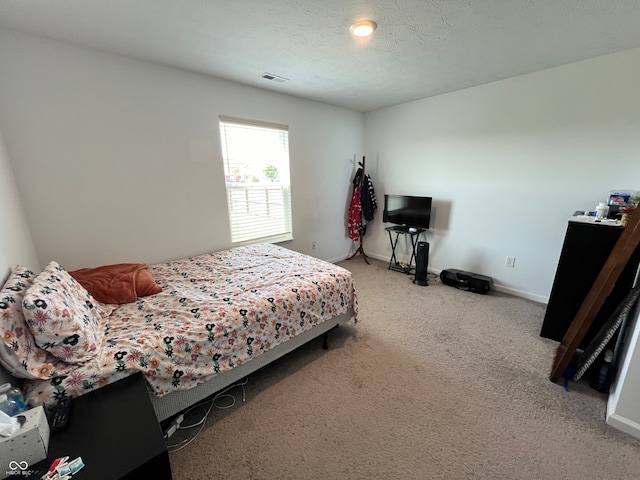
510 262
313 245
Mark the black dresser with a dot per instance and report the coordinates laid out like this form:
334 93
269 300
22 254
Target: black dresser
586 247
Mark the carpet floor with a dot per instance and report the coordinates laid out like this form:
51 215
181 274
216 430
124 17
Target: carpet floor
431 383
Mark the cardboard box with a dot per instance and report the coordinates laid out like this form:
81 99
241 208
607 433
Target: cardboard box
25 447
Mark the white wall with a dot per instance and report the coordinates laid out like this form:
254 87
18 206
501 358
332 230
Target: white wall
622 407
16 245
508 163
119 160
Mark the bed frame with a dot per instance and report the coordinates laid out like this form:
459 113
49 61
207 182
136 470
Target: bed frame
174 402
177 401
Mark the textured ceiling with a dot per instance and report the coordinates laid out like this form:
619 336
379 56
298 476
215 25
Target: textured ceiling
420 49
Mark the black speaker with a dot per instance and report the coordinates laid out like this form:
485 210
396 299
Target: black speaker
422 262
466 280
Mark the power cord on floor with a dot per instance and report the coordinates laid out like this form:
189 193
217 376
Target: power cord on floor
206 406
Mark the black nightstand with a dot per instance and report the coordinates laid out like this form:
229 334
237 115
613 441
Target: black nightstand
115 431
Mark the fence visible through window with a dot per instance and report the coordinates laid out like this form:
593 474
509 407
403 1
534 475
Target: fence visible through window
258 205
256 163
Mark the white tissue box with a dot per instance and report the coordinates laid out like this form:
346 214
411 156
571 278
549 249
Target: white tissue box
26 446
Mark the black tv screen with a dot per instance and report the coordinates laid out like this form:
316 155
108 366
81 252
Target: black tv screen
407 210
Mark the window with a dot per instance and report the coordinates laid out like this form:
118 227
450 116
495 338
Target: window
256 168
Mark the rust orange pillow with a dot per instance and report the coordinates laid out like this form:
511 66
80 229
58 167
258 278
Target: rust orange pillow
146 284
119 283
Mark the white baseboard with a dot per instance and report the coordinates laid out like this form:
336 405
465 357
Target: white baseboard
496 286
521 293
624 424
372 255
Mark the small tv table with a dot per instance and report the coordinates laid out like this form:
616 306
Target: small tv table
414 234
115 431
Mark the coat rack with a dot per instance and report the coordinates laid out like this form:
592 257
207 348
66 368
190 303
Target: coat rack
360 249
602 287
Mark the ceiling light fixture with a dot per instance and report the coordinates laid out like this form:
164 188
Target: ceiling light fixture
363 28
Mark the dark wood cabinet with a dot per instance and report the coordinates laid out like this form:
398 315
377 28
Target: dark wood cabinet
584 252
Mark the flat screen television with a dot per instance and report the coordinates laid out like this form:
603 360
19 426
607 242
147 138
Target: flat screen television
407 210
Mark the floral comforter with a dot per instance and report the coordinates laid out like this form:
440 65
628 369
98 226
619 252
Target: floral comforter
216 311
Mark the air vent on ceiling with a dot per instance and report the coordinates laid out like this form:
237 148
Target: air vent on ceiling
274 78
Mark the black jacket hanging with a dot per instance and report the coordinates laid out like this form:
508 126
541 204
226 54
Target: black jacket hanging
368 199
368 202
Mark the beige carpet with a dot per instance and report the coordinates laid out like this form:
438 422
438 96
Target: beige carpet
432 383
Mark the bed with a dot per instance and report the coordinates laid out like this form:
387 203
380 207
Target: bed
217 318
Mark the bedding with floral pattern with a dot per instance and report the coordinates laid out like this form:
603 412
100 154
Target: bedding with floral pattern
63 316
215 311
19 353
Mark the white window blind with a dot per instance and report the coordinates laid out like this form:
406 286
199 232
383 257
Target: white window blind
256 168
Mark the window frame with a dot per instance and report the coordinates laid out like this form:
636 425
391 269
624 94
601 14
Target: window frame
238 226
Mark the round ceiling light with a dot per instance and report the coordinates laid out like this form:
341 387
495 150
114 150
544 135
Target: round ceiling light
363 28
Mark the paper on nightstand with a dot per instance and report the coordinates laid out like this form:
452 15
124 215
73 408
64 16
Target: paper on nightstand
27 445
8 425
